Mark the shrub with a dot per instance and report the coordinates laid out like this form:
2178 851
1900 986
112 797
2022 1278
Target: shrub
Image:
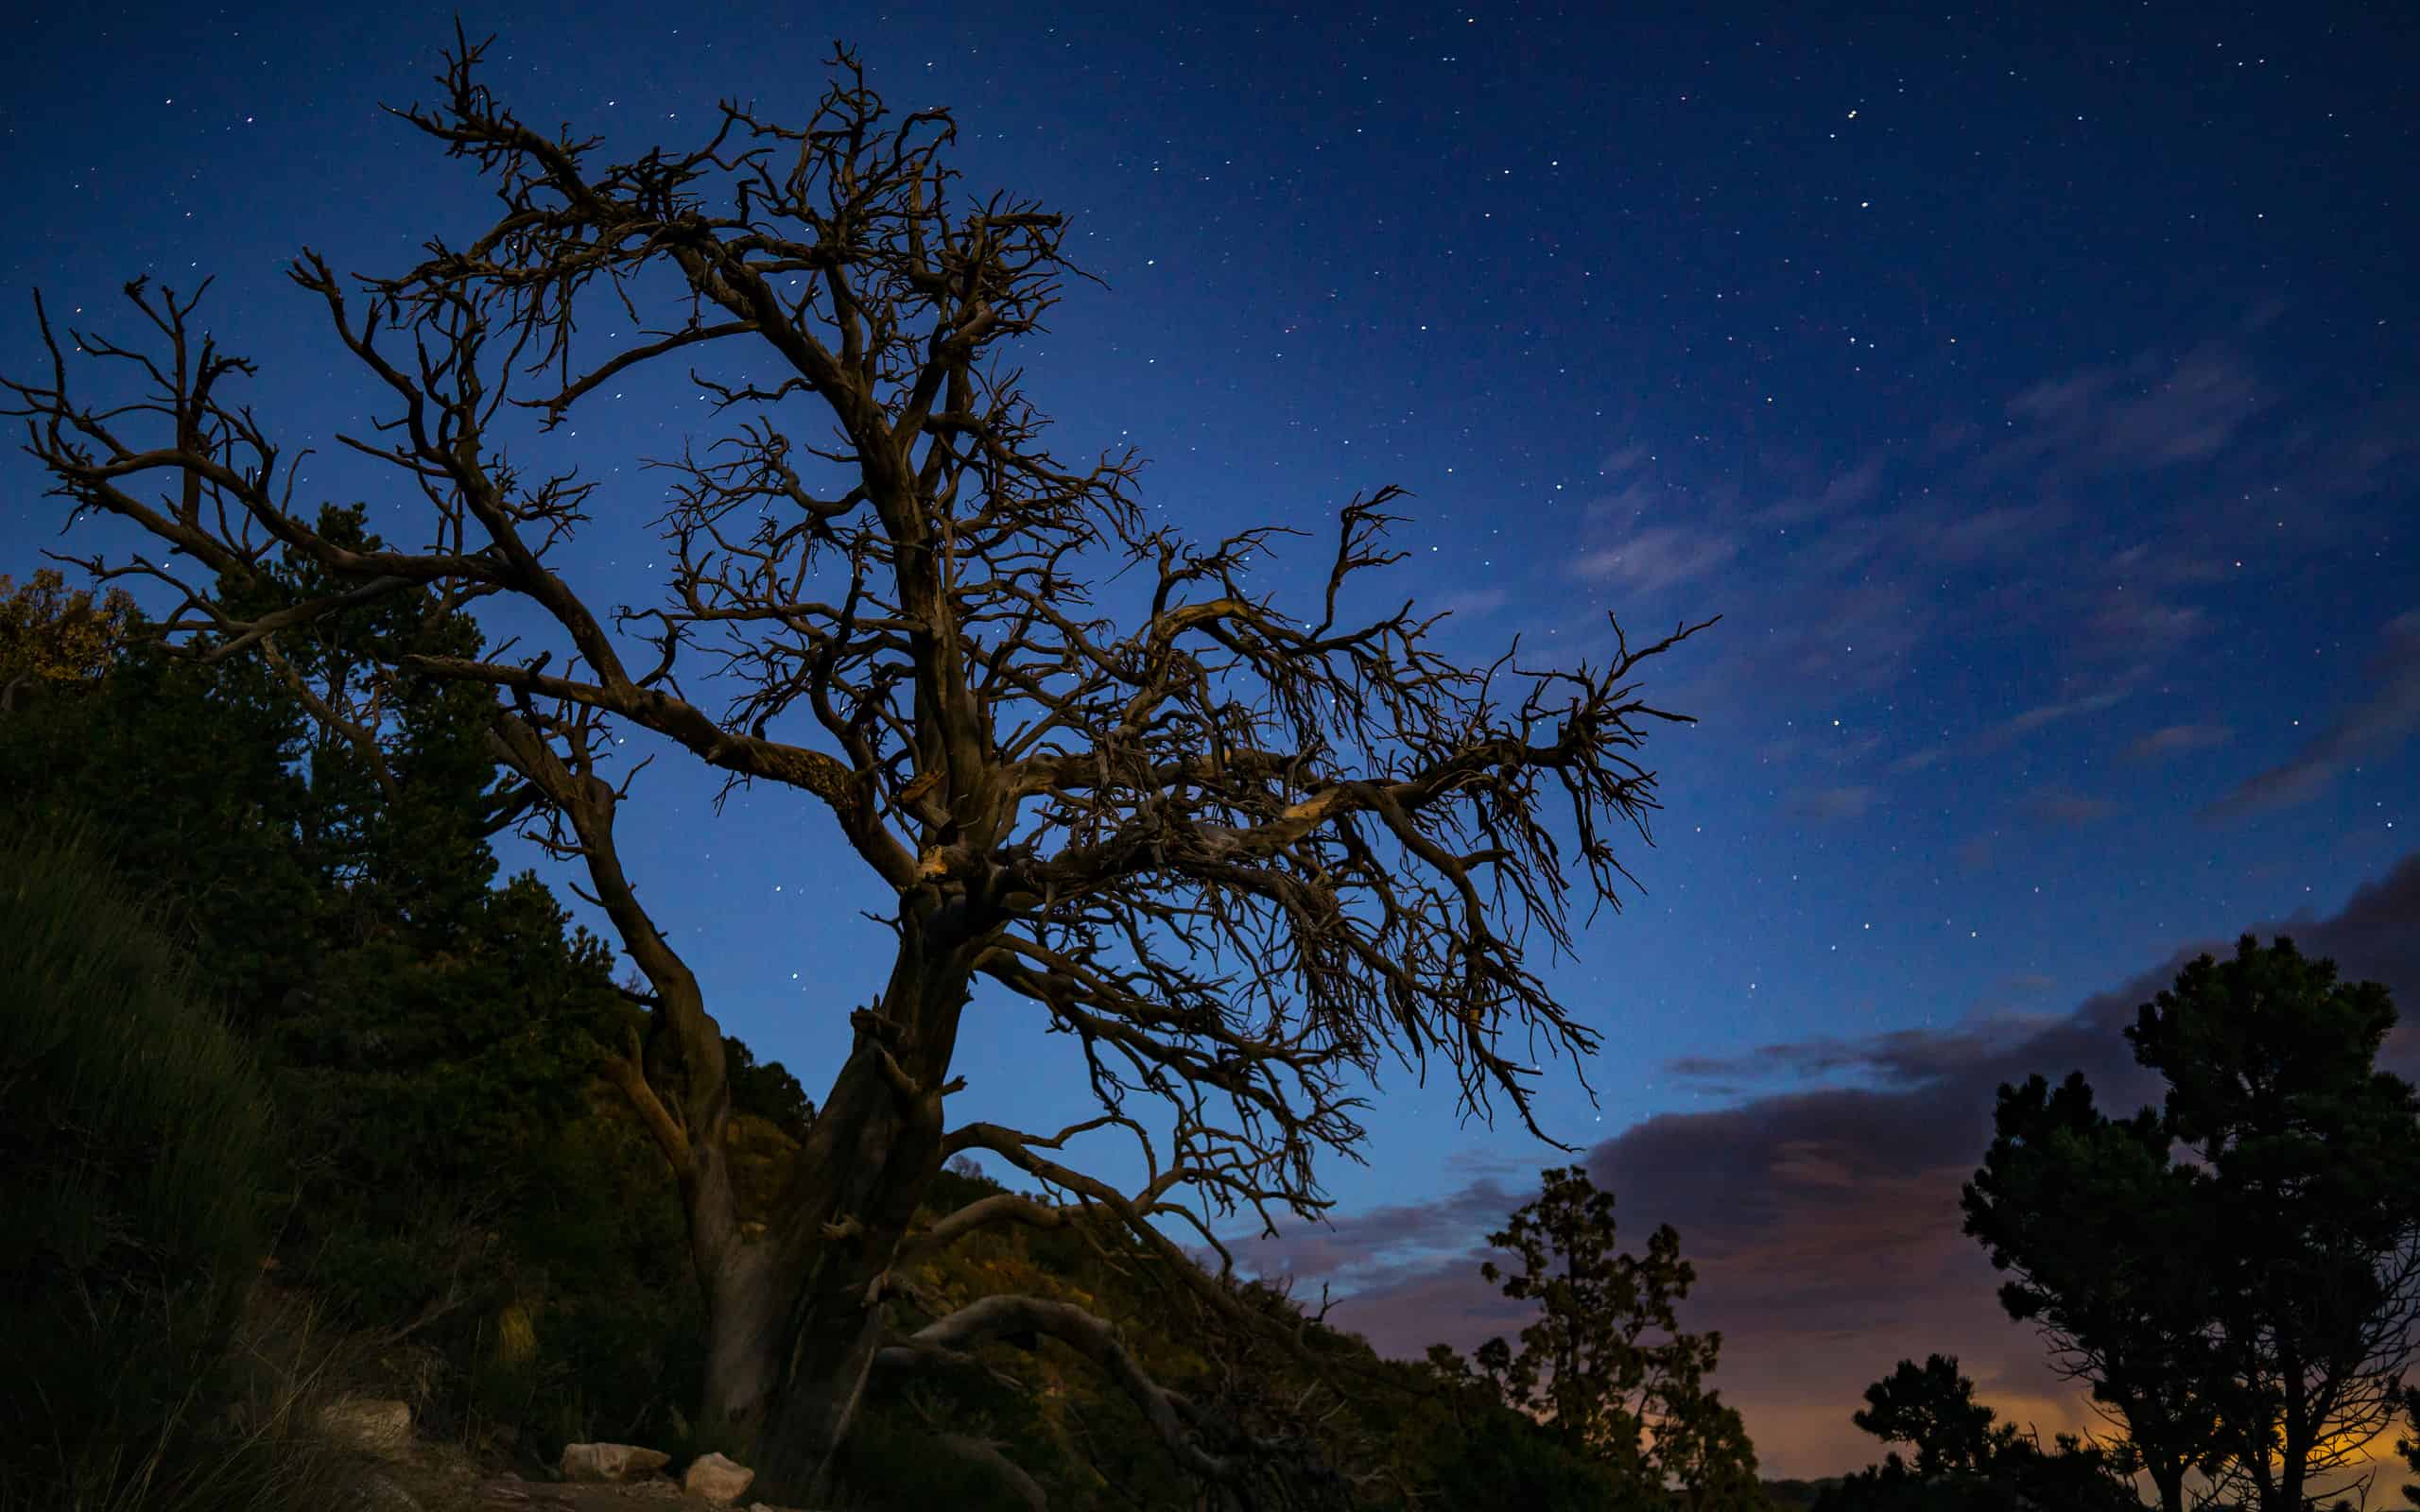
137 1184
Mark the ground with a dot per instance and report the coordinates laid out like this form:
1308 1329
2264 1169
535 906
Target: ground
441 1478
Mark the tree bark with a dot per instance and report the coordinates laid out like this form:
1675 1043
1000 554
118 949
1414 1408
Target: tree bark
793 1313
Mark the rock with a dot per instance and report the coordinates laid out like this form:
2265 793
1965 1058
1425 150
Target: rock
716 1479
611 1463
380 1425
376 1493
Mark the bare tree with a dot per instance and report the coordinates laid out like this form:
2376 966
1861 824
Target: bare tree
1236 853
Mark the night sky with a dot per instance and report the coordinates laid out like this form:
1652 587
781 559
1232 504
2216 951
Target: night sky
2034 394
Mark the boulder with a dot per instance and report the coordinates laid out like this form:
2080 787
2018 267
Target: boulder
611 1463
378 1425
718 1480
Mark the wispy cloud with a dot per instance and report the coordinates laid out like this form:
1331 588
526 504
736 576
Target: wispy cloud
1471 602
1656 558
2175 740
2092 530
2050 714
1829 805
2371 728
1842 493
2029 722
1975 534
1905 1057
2134 624
2057 806
2147 415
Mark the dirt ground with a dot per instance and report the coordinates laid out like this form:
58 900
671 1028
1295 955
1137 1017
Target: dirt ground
442 1480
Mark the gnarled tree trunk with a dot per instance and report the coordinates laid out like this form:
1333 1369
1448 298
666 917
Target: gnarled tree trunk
793 1318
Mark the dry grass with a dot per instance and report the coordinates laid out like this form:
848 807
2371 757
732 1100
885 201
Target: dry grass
256 1449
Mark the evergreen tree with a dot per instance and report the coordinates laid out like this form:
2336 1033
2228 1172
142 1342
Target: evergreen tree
1966 1462
2313 1157
2107 1240
1640 1410
2249 1311
431 1037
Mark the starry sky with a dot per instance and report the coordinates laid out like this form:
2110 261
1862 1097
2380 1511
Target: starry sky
2034 394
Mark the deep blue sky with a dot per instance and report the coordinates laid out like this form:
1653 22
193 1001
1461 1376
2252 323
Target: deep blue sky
2033 392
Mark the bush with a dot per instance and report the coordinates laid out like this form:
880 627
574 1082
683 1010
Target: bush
137 1185
1504 1459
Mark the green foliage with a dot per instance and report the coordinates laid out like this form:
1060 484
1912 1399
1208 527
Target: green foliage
186 773
1473 1449
49 635
766 1090
430 1039
1501 1459
138 1182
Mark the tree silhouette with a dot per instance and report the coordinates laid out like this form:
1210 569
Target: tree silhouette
1642 1409
2108 1242
1965 1462
2313 1157
1934 1410
2247 1312
1236 853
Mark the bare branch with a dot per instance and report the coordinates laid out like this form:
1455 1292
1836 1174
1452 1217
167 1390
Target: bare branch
1241 857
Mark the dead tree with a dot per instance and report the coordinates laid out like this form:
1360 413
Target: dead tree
1237 853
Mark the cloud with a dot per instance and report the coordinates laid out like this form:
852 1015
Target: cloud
1843 493
2065 810
1989 532
2095 517
2042 716
1624 459
2141 418
2371 728
1657 557
1900 1056
1822 1220
2132 624
1831 804
1836 577
2175 740
1471 602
